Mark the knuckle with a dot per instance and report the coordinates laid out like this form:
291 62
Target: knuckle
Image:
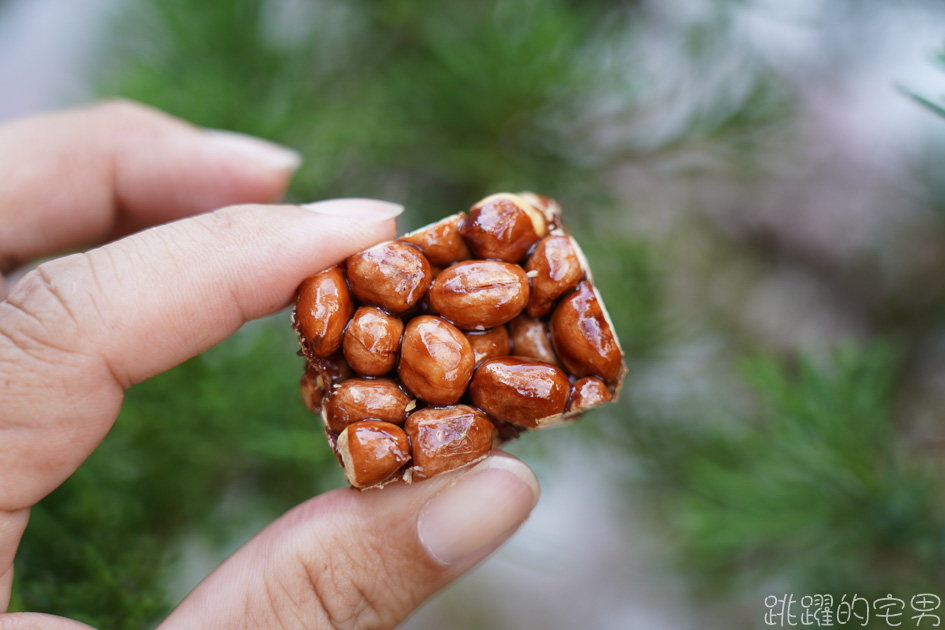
49 296
123 110
120 117
230 220
52 313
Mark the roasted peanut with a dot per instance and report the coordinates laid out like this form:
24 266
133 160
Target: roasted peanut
372 452
519 391
530 339
588 392
444 438
393 276
479 294
322 311
436 360
582 337
489 344
502 227
362 399
441 242
554 268
372 340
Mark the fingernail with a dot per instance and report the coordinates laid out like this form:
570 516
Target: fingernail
273 155
479 511
352 208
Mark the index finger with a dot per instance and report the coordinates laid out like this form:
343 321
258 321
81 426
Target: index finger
83 176
78 331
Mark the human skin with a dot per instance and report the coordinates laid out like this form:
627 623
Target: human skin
77 331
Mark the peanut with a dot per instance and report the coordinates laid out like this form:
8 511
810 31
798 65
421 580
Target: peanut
519 391
480 294
322 311
489 344
530 339
372 341
362 399
441 242
436 360
444 438
588 392
582 337
554 269
502 227
393 276
372 452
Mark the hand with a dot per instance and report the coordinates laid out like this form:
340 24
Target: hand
76 332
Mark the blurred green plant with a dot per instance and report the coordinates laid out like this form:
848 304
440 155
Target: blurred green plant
431 105
816 492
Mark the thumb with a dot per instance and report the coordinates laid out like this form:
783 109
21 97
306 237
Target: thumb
350 559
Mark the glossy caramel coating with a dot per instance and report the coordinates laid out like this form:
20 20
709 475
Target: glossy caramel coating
361 399
582 337
588 392
502 227
520 391
494 310
372 341
436 360
480 294
489 344
372 452
393 276
444 438
441 242
530 338
322 311
334 367
313 386
554 268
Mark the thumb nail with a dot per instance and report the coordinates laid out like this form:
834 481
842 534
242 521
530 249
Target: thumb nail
478 512
373 210
268 153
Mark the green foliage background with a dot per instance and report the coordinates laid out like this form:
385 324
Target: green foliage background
435 105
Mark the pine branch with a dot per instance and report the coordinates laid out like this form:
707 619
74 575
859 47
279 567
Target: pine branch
936 106
818 491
